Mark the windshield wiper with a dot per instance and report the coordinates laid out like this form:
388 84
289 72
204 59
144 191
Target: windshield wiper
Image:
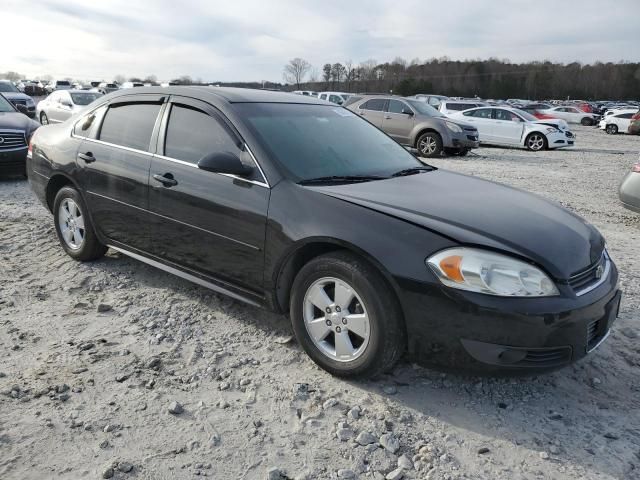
341 179
413 171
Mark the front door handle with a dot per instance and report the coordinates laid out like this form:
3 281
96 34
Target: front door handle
387 117
167 179
87 157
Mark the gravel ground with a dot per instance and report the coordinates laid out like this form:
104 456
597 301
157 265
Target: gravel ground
117 370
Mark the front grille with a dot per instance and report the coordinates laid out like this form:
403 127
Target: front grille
12 140
470 129
473 138
546 357
590 276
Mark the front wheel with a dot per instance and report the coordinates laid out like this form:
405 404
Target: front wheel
611 129
44 120
346 317
429 145
586 121
74 228
536 141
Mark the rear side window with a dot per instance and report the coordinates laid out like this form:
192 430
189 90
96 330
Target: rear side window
625 115
192 134
480 113
130 125
375 104
460 106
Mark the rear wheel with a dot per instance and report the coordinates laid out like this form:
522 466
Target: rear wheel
44 120
74 228
346 317
536 141
611 129
587 121
429 145
463 151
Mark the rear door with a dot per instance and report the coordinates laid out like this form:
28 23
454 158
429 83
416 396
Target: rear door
210 223
373 110
482 119
507 128
114 161
398 122
623 121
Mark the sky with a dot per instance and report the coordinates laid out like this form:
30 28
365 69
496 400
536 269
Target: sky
252 40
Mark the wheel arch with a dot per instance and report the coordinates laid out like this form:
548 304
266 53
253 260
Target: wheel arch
306 250
421 130
56 182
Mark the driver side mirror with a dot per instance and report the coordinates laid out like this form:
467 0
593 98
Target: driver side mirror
406 111
224 162
22 109
66 103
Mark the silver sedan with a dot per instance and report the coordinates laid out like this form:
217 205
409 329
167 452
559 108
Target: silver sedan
61 104
630 189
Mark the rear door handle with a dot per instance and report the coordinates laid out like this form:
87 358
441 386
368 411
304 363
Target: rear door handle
87 157
167 179
387 117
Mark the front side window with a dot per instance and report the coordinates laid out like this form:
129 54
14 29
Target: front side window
130 124
396 106
87 125
193 134
375 104
480 113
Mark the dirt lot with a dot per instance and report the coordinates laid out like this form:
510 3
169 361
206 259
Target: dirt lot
92 357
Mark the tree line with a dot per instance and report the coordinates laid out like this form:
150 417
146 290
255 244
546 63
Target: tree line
492 78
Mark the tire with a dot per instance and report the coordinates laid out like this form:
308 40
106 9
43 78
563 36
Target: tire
463 152
70 215
611 129
586 121
44 120
536 142
377 339
429 145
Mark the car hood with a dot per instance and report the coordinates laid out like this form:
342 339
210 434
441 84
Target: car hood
478 212
15 96
17 121
554 122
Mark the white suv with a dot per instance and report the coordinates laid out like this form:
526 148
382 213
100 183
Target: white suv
448 107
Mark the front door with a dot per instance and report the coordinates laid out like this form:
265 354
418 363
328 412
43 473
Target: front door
208 222
508 127
482 119
373 110
115 170
398 121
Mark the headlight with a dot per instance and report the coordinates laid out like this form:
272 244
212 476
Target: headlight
453 127
491 273
551 130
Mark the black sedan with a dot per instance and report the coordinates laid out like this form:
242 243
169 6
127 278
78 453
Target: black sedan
15 131
300 206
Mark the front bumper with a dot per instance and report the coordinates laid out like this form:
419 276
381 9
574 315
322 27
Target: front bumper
467 331
559 140
465 140
12 162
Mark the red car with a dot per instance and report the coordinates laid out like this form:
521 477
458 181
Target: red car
538 113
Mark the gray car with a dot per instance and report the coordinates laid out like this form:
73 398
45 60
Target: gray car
630 189
415 124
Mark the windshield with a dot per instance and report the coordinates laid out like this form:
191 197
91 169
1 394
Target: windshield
5 106
526 115
312 141
63 83
424 108
84 98
7 87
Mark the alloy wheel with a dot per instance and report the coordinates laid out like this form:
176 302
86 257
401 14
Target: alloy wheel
336 319
44 120
71 222
428 146
536 142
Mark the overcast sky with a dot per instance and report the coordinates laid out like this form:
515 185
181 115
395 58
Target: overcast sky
252 40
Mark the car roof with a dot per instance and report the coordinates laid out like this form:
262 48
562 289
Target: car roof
230 94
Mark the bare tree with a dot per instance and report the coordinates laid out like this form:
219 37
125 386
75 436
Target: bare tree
326 73
349 74
337 72
314 75
119 79
296 70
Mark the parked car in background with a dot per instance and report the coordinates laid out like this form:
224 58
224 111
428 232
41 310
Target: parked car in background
292 204
58 85
335 97
616 123
418 125
16 130
510 126
634 126
132 84
630 189
573 115
448 107
34 88
433 100
306 93
106 87
15 96
61 105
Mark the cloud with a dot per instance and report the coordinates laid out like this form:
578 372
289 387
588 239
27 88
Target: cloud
253 39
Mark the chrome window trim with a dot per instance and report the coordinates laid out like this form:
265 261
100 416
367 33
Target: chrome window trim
122 147
605 276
